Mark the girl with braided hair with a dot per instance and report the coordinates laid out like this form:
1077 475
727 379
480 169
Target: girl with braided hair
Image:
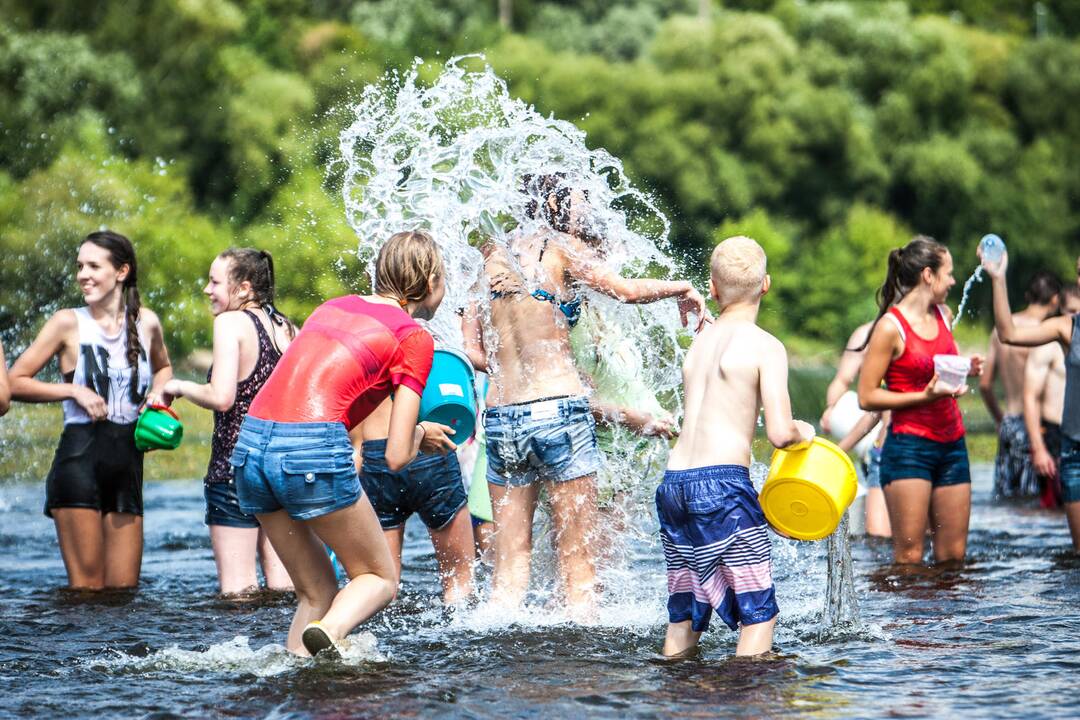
112 360
249 337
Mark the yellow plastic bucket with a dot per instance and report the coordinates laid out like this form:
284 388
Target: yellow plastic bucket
808 489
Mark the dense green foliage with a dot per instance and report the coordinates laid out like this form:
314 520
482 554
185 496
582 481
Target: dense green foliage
830 131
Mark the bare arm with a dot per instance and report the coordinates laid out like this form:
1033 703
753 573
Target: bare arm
866 423
49 343
473 332
5 386
986 382
1057 329
586 267
884 343
1036 373
160 365
846 372
782 429
638 421
220 393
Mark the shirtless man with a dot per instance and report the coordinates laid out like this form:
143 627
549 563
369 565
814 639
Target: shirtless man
1044 404
713 530
539 425
1013 473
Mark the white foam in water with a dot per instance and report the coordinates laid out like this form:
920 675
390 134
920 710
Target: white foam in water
237 655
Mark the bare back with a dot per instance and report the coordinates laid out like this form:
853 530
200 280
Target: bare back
529 339
721 381
1052 401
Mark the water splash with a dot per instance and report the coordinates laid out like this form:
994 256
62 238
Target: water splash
451 157
841 604
975 277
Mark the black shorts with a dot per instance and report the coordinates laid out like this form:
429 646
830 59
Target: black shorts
96 466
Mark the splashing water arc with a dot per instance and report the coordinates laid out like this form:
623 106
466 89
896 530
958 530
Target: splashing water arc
450 157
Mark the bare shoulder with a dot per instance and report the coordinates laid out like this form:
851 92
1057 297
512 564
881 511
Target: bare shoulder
149 318
765 342
62 321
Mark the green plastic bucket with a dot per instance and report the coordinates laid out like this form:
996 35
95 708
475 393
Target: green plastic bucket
449 397
158 428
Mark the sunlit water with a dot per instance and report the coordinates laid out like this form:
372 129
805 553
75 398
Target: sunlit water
998 638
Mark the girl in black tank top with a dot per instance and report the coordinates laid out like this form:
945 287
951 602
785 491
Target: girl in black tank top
241 284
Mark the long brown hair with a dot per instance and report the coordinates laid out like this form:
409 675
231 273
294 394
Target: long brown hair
257 268
122 252
905 268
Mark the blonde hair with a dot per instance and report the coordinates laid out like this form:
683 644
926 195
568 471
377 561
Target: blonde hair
406 264
738 269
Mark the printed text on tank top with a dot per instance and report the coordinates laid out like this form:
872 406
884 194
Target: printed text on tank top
102 365
912 371
227 423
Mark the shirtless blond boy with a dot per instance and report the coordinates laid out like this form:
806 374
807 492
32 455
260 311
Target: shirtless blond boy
716 547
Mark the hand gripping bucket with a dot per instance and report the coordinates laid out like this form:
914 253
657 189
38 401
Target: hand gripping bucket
808 489
449 396
158 428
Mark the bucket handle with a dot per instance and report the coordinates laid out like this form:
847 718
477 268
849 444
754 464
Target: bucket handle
163 408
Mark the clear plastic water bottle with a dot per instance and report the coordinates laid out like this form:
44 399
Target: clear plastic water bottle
992 248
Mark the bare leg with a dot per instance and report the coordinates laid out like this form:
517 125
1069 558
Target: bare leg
82 546
908 501
234 555
755 639
1072 514
123 534
277 577
355 536
950 509
573 505
395 538
513 507
309 567
877 515
680 639
454 550
483 538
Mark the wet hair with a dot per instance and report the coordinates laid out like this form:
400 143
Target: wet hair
738 267
405 264
905 270
257 267
122 252
1042 288
541 189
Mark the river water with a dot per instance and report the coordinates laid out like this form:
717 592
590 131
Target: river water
999 637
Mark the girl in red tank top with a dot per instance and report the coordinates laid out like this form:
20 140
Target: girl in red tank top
925 471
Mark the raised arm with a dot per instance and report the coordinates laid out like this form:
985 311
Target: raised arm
986 382
1057 329
220 393
5 386
1036 373
586 267
782 429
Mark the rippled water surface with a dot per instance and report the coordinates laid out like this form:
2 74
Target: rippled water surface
997 638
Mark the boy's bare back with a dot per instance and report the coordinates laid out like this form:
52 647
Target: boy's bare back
733 370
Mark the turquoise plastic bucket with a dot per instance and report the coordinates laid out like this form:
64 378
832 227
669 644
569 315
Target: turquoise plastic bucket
449 397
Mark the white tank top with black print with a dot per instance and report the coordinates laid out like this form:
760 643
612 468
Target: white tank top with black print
102 366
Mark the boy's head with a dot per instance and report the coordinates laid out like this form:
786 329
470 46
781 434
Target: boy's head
1070 299
738 272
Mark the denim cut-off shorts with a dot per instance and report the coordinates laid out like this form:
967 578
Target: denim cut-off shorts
223 506
304 468
552 439
909 456
1069 469
430 486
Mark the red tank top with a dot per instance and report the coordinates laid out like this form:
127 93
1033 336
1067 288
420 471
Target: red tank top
345 361
911 372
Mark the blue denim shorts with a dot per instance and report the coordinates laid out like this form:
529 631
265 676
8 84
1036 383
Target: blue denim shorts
223 506
1069 469
430 486
909 456
872 468
304 468
552 439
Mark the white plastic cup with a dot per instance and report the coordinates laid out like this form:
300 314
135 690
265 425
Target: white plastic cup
952 370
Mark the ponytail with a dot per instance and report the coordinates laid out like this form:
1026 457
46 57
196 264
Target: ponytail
905 267
122 252
257 268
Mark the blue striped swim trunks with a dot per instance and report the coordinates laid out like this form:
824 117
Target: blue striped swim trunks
716 547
